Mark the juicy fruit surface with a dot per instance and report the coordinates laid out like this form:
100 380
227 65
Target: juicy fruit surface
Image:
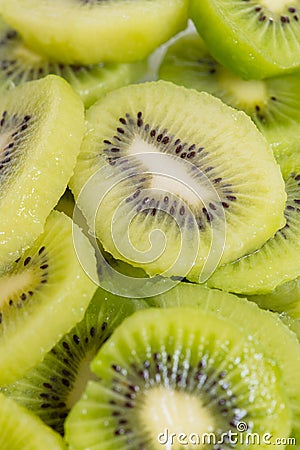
52 387
143 168
273 103
276 340
283 299
19 64
21 430
175 362
41 129
253 39
125 29
47 285
273 264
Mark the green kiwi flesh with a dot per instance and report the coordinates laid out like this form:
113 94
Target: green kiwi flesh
43 296
179 372
22 430
276 262
41 129
96 31
283 299
253 38
146 164
272 103
52 387
19 63
275 339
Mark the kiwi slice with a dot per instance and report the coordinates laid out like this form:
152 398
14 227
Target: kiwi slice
21 430
43 296
96 31
157 185
276 262
18 64
272 103
52 388
275 339
41 129
283 299
253 38
185 371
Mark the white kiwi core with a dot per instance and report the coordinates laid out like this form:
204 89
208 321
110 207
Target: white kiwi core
14 283
276 6
170 174
173 417
246 93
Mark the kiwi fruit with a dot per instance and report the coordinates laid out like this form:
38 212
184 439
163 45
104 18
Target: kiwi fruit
276 262
18 64
162 179
254 38
283 299
21 430
52 387
95 31
43 296
275 339
185 371
41 129
273 103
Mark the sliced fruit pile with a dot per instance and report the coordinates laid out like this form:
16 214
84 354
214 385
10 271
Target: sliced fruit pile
148 181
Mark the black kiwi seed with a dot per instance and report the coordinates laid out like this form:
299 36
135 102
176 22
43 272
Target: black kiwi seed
37 265
114 150
56 383
211 384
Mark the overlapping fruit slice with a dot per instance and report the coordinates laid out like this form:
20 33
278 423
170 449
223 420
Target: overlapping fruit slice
95 30
275 339
21 430
19 64
254 38
43 296
175 181
276 262
272 103
184 371
41 129
53 387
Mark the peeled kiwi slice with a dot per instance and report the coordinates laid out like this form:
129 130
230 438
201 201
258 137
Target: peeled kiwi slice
276 262
275 339
272 103
253 38
184 371
283 299
41 129
95 30
19 63
175 181
52 388
44 294
21 430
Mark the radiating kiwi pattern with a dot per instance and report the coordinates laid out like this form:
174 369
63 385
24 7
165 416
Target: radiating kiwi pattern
118 328
156 135
19 63
37 265
186 368
144 171
251 274
52 388
272 103
255 39
12 127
